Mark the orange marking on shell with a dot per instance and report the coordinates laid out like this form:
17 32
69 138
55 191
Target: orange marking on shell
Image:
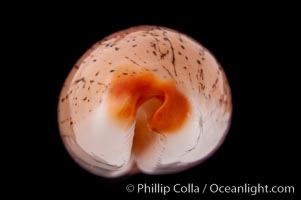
128 93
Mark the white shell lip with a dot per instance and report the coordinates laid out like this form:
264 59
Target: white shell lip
112 169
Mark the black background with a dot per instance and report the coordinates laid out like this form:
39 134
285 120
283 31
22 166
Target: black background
255 46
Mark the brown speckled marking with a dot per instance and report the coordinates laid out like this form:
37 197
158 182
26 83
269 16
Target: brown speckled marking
180 39
163 54
102 84
173 59
189 74
134 62
167 71
79 80
215 83
203 87
202 74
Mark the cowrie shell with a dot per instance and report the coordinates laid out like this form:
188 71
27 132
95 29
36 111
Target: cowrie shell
146 99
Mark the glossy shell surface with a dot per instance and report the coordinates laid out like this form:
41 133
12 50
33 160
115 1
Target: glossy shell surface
146 99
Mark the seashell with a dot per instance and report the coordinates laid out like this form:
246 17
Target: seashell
146 99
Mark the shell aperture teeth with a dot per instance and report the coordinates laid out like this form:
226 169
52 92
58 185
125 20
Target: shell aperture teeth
146 99
96 133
